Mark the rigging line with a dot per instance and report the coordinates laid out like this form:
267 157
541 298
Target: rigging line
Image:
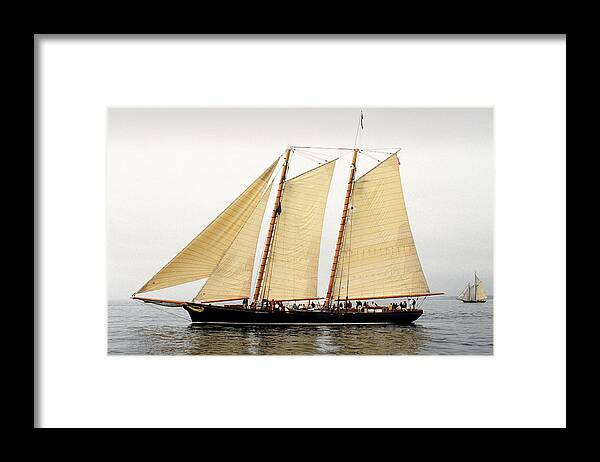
310 153
370 156
167 312
342 266
314 158
181 252
343 250
322 154
379 150
277 170
395 151
395 148
338 269
267 188
324 147
278 196
346 152
383 147
311 157
356 137
350 245
271 260
316 154
266 289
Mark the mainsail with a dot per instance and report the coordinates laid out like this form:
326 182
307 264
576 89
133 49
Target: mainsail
232 277
379 258
201 256
294 258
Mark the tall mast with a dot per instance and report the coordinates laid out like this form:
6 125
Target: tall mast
263 262
342 227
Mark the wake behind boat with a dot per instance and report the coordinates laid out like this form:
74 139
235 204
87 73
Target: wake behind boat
375 255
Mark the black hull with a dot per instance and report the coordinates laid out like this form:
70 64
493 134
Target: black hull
209 314
473 301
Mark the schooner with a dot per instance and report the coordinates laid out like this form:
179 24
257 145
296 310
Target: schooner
473 293
375 255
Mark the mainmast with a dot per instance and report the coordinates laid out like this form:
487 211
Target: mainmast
342 227
263 261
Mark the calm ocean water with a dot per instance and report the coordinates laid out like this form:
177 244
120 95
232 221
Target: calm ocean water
446 327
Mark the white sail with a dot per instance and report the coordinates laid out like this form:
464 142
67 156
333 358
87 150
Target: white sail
466 293
479 291
202 255
232 277
294 257
379 256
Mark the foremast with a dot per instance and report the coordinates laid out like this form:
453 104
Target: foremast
276 205
343 220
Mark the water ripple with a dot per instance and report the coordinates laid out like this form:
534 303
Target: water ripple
446 327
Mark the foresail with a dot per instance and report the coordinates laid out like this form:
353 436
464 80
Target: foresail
232 277
379 257
294 258
201 256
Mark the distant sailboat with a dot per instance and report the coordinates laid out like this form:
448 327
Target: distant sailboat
473 293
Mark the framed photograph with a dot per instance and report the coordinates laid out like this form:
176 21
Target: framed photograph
300 249
260 232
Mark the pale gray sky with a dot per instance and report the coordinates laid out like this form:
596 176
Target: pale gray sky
171 171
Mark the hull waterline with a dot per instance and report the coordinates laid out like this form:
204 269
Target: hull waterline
210 314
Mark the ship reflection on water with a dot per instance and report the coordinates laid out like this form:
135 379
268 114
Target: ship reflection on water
311 340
